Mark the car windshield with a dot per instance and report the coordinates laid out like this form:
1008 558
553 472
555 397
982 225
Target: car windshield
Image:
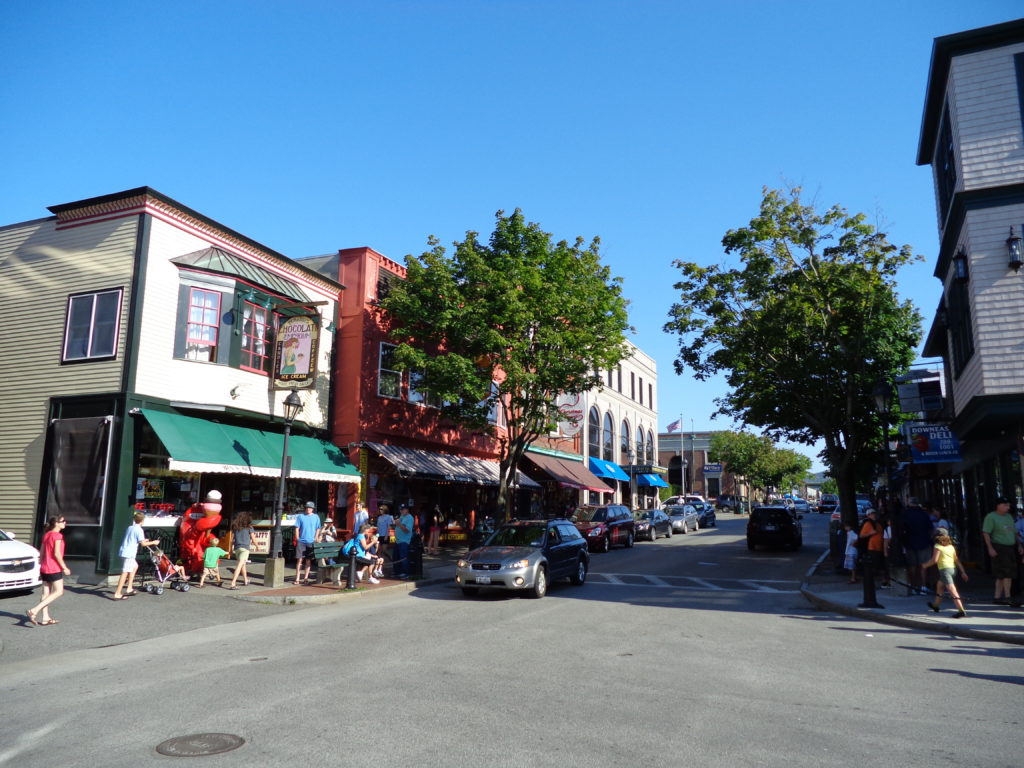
649 515
593 515
5 537
517 536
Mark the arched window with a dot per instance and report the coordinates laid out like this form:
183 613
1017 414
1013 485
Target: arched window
640 446
594 434
624 444
650 447
609 438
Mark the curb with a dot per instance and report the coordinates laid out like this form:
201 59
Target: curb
954 630
336 596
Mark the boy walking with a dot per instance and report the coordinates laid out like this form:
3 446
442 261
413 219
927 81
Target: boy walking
212 554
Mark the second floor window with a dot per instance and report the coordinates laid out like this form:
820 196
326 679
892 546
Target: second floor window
594 434
389 379
256 332
92 325
203 325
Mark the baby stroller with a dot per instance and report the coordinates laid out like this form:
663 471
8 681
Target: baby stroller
164 572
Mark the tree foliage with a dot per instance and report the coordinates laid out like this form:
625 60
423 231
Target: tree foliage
803 329
756 458
498 330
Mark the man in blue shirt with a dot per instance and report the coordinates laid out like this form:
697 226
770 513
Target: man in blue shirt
306 526
404 528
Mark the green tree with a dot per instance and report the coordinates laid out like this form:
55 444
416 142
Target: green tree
497 331
757 459
803 329
829 486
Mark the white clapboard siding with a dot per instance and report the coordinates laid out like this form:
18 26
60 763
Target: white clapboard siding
159 374
985 110
39 268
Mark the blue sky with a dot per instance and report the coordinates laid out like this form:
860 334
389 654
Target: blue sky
313 126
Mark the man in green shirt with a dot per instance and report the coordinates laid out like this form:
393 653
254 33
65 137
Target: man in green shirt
1001 542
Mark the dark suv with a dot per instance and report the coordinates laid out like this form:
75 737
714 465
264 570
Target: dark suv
828 503
777 526
605 526
728 502
525 555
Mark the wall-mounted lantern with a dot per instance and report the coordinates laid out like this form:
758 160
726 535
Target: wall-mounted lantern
1014 249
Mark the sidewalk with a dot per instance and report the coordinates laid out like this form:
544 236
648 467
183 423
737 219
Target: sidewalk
985 620
437 569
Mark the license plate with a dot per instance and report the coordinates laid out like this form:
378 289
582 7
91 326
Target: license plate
483 579
771 527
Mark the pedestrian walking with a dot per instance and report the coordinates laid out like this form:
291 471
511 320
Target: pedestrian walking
52 570
241 542
997 530
917 544
945 558
211 562
133 537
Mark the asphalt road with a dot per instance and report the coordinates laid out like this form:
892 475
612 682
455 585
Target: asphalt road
688 651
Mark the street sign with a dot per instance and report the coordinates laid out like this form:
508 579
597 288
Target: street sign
711 469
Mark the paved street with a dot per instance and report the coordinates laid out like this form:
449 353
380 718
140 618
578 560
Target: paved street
686 651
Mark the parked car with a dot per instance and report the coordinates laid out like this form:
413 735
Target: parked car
19 564
525 555
605 526
706 515
800 506
775 525
652 523
728 502
828 503
683 517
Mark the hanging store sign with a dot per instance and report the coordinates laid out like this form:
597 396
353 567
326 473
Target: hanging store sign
570 408
932 444
712 469
295 352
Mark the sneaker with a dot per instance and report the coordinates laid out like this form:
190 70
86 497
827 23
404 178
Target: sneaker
959 615
1001 600
934 607
359 577
372 580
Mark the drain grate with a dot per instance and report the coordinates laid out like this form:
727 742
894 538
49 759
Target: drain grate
199 744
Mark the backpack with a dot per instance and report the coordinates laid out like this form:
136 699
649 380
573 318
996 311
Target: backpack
350 548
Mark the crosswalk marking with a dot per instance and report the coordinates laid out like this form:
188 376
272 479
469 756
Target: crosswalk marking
697 584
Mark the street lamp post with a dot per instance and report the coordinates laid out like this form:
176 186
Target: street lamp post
881 393
632 477
274 573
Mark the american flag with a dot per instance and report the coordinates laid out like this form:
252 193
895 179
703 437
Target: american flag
674 426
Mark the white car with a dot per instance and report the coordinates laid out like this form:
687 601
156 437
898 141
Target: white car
19 564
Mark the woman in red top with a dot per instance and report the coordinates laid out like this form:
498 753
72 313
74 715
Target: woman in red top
52 571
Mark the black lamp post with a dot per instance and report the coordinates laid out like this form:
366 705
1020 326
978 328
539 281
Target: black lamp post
274 575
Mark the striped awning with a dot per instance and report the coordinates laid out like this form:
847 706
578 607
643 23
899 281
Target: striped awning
411 462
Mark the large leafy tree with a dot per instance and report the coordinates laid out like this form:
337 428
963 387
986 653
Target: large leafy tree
803 329
498 330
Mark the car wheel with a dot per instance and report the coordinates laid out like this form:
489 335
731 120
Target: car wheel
653 535
540 584
469 591
696 524
606 544
581 573
668 534
629 540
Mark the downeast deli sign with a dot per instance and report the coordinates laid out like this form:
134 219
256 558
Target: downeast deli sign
295 353
932 443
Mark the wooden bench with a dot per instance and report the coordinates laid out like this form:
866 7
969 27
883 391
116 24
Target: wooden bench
328 550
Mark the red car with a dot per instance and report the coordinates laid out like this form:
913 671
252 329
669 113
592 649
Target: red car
605 526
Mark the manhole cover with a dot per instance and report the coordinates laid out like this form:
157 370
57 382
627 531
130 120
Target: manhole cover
199 744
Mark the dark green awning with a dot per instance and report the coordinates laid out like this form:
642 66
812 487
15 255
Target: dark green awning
200 445
216 260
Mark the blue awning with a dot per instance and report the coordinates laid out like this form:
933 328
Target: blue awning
651 480
603 468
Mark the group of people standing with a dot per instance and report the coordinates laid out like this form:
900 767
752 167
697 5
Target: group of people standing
369 542
923 538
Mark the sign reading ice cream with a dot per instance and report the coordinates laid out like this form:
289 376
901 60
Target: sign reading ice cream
295 352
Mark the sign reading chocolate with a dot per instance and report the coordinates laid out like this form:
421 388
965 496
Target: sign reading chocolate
295 353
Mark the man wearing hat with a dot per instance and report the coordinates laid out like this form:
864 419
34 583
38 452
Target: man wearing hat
1001 542
306 526
873 532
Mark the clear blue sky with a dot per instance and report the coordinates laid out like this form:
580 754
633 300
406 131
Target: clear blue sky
313 126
